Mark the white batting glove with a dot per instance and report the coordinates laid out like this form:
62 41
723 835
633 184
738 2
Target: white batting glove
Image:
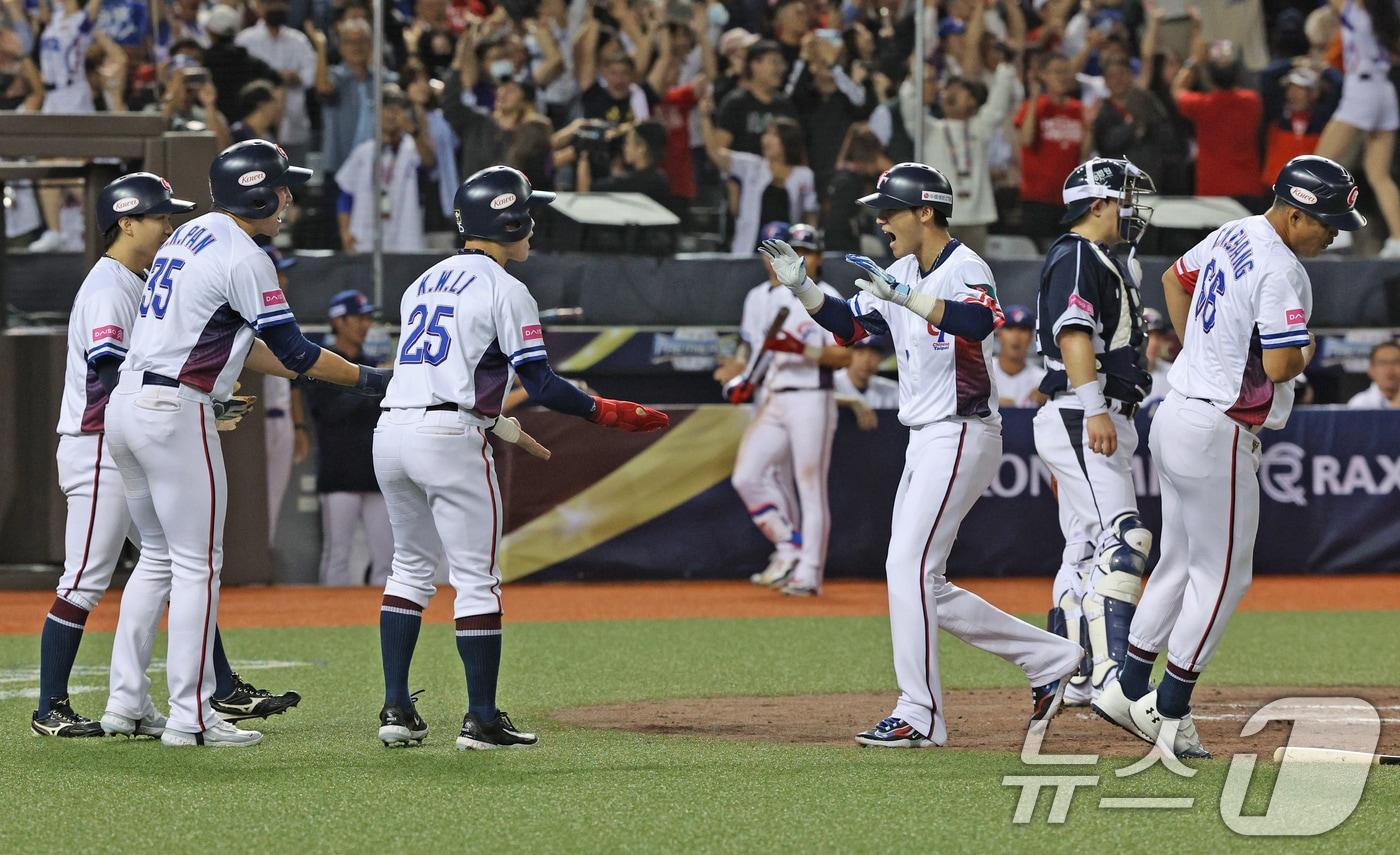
791 271
886 287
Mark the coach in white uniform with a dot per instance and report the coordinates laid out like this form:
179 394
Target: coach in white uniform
938 304
1240 299
468 325
211 290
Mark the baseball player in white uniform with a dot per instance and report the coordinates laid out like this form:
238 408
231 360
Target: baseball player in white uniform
789 440
468 326
279 431
210 291
1240 300
1090 329
938 304
133 212
1017 379
861 388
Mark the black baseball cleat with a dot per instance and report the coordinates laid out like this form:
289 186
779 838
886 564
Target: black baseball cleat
478 735
1045 702
62 721
400 726
248 701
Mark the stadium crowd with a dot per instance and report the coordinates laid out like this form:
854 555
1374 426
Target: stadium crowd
800 104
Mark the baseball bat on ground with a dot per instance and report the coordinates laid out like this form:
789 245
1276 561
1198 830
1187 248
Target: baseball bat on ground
1333 755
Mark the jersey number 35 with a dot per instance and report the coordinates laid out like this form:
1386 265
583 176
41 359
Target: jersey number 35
156 298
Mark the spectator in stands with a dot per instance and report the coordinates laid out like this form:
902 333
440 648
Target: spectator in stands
1017 381
746 113
792 24
290 52
21 86
190 102
230 65
1158 68
776 185
828 100
346 90
860 163
1240 22
344 434
530 149
261 105
1131 123
559 24
1369 112
958 142
1295 120
1227 118
1384 371
178 23
733 50
617 98
643 148
406 147
677 82
1054 140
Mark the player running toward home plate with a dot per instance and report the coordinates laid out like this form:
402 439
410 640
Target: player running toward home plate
938 304
467 326
789 441
1240 300
133 214
1090 328
210 291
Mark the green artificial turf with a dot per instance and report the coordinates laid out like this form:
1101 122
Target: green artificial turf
321 782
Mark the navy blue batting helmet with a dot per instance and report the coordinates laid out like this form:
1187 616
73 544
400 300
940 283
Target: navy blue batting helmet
495 204
135 195
911 185
776 230
244 178
1322 188
803 236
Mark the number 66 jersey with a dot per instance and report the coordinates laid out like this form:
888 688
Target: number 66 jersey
1249 294
210 290
467 324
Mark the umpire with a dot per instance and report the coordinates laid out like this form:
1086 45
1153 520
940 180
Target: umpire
1089 327
344 436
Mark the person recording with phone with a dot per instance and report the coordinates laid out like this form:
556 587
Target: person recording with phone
191 103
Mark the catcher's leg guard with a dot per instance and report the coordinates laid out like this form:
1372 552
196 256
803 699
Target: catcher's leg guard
1074 630
1055 622
1112 598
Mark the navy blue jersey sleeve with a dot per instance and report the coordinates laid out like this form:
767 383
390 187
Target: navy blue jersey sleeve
290 346
550 390
1072 298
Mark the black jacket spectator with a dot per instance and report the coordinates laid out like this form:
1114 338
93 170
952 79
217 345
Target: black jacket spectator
230 69
344 424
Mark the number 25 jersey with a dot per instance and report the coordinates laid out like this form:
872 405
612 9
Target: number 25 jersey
1249 293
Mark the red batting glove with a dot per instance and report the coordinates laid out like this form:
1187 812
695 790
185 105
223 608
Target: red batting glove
785 342
625 415
738 391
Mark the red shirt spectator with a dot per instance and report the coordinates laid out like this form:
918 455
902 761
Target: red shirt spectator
1055 152
673 112
1227 140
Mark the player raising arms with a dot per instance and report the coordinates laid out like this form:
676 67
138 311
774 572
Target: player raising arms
1240 300
468 325
937 303
1090 328
133 214
210 291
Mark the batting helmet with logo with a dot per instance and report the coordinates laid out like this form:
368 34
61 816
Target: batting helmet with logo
803 236
1322 188
244 178
495 204
136 195
911 185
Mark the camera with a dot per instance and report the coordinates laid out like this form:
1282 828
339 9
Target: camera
595 137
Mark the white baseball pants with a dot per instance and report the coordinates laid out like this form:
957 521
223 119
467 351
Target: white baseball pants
947 466
1207 465
341 515
279 439
439 483
1094 488
165 442
98 523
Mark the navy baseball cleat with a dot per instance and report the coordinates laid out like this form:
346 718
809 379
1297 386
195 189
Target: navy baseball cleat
248 701
62 721
400 726
1045 702
478 735
894 732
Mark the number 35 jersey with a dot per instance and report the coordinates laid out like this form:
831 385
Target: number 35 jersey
209 291
1249 293
467 325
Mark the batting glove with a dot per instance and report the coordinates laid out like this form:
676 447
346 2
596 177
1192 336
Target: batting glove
791 272
886 287
625 415
785 342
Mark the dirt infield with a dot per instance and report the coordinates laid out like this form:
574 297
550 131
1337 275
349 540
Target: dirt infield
22 612
983 719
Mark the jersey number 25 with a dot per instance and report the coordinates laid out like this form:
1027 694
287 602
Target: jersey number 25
427 341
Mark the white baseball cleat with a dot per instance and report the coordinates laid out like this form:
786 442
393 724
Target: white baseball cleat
1185 743
150 724
1114 707
219 735
1079 694
778 571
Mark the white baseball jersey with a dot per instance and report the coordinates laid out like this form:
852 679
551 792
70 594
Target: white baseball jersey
1362 52
467 324
940 376
1250 294
787 370
100 325
1019 386
881 393
209 291
63 48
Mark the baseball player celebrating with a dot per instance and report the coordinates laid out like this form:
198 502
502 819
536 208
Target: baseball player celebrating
791 434
1240 300
937 303
133 213
468 325
209 292
1089 326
